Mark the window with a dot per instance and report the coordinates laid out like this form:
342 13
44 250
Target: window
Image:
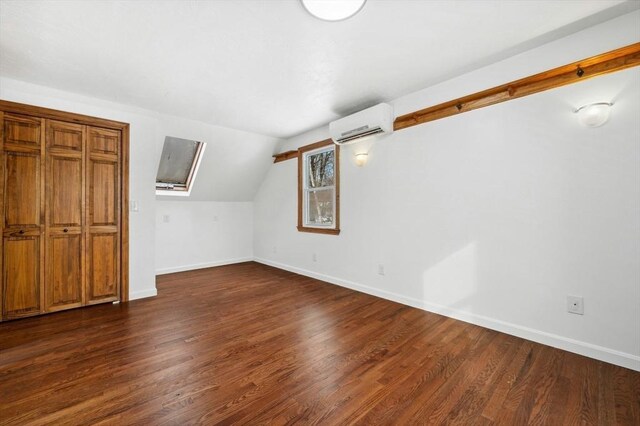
178 166
319 188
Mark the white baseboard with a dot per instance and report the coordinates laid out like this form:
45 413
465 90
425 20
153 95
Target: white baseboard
582 348
142 294
202 265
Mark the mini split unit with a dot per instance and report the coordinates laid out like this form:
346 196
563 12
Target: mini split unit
368 122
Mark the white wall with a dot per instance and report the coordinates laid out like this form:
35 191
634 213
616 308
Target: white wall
202 234
234 164
142 168
493 216
232 169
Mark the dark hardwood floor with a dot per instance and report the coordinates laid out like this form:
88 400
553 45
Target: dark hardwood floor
250 344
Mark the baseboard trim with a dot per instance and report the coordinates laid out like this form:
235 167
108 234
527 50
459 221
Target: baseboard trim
582 348
142 294
183 268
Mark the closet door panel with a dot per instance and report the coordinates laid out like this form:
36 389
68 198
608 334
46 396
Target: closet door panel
22 189
64 271
65 136
22 216
65 259
21 275
104 141
103 193
103 270
65 194
103 216
22 132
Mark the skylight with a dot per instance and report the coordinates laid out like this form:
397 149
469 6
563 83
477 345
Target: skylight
178 166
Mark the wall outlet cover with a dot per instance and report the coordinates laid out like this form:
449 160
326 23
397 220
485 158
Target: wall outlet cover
575 305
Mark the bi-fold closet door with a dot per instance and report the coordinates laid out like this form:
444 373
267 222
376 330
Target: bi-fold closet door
23 216
61 215
64 215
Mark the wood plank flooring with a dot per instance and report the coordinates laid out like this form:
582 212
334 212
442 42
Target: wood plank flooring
250 344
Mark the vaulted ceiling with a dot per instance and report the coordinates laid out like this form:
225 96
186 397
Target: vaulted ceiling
267 66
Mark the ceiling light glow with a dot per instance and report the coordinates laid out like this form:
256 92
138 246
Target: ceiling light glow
333 10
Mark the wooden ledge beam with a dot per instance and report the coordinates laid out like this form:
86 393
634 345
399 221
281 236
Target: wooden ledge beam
606 63
285 156
615 60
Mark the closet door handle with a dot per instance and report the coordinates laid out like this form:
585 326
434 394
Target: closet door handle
65 230
21 232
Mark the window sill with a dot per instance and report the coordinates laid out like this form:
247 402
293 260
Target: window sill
325 231
175 193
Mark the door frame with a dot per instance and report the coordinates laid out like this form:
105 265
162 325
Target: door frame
40 112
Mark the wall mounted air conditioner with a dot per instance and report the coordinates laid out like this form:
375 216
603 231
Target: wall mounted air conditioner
371 121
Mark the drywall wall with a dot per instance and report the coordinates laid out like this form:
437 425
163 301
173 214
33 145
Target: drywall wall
142 168
232 169
234 162
202 234
494 216
213 226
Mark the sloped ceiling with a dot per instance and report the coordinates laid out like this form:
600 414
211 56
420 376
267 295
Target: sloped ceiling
267 66
234 162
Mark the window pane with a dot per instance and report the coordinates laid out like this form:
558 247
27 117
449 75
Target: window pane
177 159
320 169
320 207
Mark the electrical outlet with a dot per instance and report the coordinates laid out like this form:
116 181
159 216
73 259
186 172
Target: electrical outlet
134 206
215 218
380 269
575 305
314 257
166 218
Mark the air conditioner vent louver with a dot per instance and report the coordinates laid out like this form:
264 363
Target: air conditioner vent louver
354 131
371 121
370 132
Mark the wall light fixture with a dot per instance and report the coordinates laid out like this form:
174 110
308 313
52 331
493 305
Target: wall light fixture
361 158
595 114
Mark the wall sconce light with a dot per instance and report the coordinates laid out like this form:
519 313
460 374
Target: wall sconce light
361 158
594 115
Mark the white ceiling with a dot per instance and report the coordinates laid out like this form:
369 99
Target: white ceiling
267 66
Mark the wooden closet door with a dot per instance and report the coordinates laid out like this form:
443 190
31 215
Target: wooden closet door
64 284
22 199
103 215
